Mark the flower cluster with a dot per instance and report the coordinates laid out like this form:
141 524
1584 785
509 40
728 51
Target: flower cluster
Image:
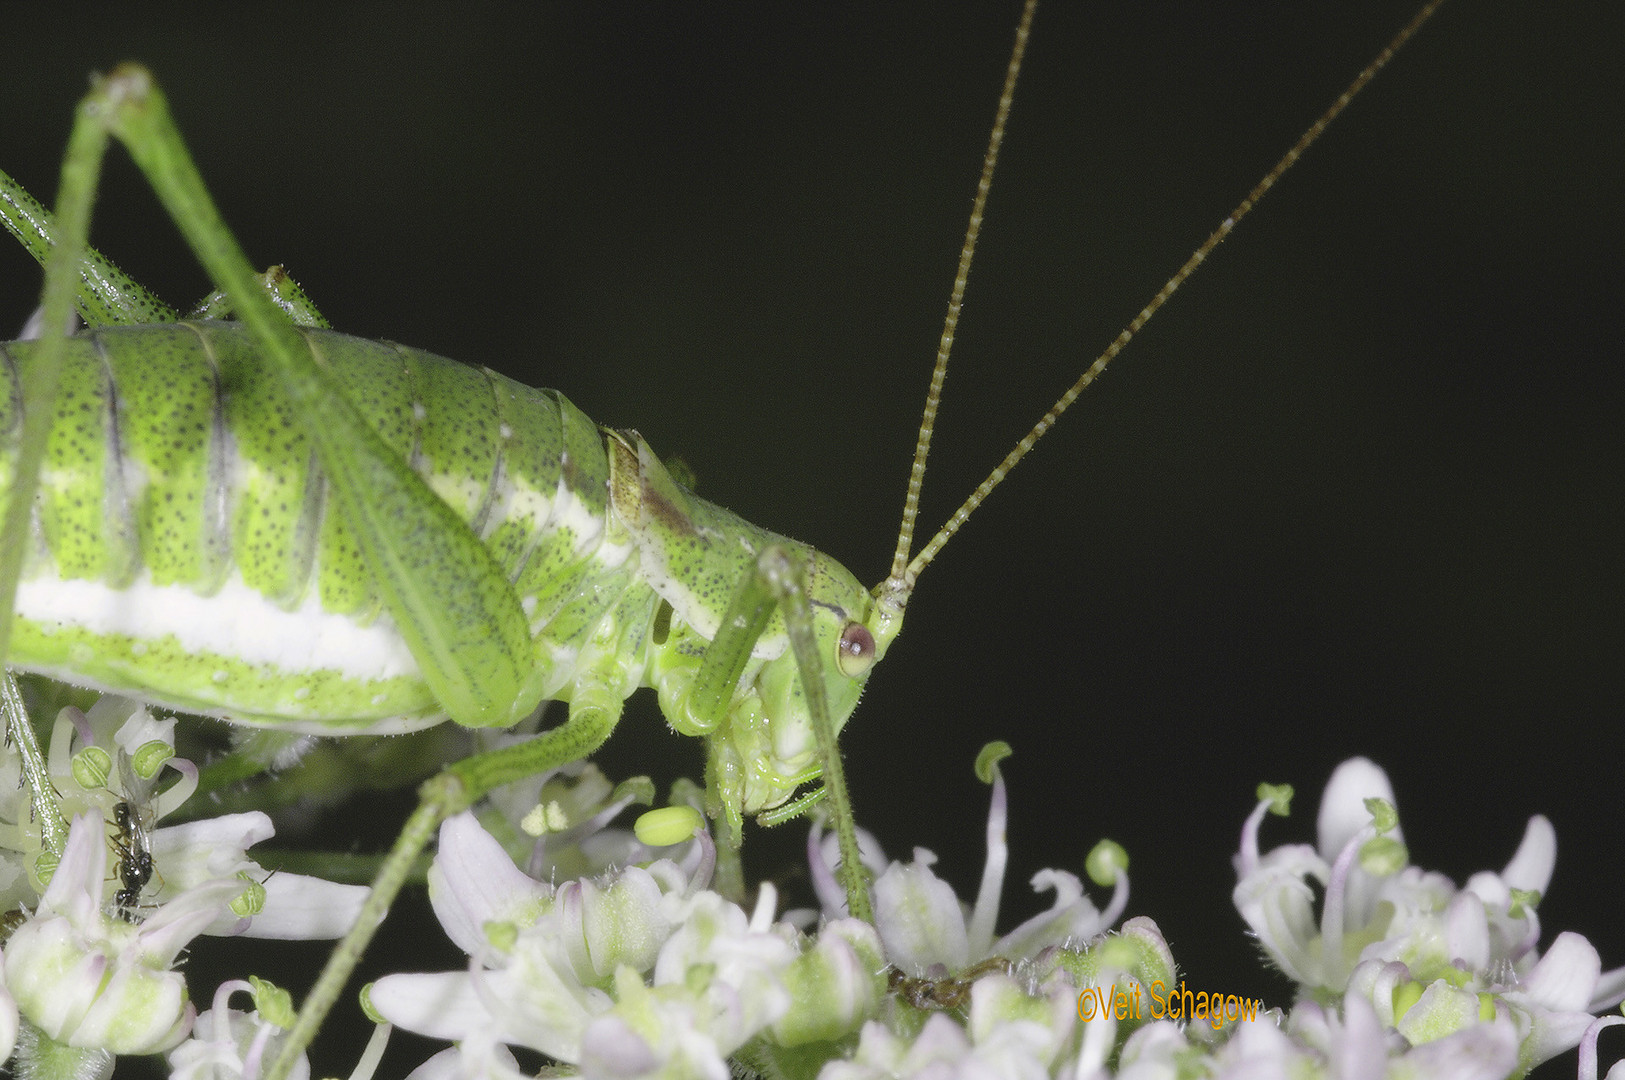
1456 972
89 962
615 973
593 949
641 971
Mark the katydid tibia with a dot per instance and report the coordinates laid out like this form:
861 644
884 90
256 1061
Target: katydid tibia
436 527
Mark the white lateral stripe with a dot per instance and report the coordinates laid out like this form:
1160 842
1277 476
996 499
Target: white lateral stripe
235 622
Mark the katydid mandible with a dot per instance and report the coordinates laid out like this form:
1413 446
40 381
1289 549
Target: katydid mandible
370 553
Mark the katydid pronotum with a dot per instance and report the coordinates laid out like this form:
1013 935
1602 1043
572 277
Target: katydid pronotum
769 416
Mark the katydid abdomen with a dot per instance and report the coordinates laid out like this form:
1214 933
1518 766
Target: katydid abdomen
186 548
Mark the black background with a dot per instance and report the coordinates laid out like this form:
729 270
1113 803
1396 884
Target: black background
1356 491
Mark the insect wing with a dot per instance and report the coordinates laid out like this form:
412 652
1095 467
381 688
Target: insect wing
133 820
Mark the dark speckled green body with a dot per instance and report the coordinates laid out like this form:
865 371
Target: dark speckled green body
186 547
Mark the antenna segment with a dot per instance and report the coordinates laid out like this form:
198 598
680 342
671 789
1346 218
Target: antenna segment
933 395
895 590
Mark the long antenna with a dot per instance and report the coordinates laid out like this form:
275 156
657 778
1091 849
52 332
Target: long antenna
933 395
896 588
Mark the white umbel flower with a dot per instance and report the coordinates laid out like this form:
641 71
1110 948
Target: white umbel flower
1433 961
92 980
633 971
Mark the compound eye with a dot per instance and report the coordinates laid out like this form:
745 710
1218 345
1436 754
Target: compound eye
855 652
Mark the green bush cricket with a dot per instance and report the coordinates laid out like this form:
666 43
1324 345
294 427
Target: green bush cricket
708 473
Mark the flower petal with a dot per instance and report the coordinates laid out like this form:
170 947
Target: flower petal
301 908
473 882
919 917
1342 808
1566 975
1531 867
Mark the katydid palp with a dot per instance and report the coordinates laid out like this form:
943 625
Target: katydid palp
719 475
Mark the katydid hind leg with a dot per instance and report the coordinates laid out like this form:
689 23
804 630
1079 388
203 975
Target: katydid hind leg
1245 502
450 601
106 296
456 610
81 169
398 519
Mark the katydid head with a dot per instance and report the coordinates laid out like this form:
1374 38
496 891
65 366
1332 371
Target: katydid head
774 733
720 670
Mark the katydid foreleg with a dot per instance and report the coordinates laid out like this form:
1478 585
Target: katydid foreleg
777 581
